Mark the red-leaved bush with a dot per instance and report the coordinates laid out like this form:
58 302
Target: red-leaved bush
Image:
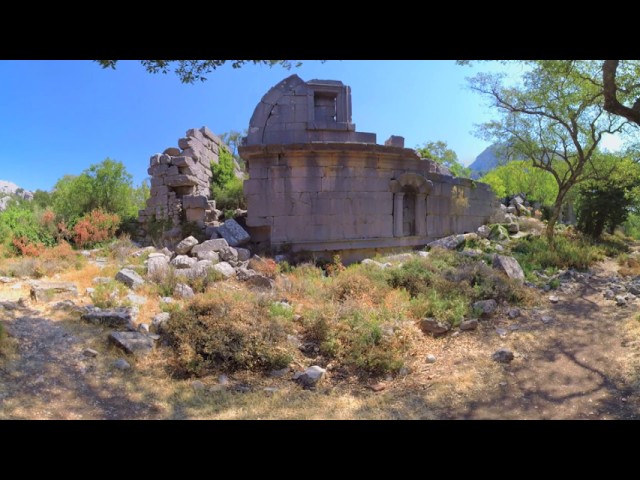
95 227
27 248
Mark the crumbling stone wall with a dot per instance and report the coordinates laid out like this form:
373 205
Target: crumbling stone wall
316 184
180 179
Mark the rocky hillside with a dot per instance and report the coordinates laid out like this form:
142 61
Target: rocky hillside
10 189
486 161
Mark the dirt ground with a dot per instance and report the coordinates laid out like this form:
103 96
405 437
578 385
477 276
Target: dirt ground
581 362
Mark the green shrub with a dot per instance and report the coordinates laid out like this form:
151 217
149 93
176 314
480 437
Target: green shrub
535 253
109 295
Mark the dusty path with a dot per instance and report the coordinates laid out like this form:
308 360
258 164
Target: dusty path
582 364
49 377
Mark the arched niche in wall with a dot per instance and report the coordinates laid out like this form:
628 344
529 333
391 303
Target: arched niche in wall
410 192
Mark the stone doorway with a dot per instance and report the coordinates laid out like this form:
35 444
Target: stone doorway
409 211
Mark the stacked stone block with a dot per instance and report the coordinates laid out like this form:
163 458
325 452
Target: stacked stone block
180 179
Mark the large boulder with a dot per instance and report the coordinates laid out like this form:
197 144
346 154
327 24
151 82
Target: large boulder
157 265
233 233
214 245
130 278
483 231
186 245
228 254
509 266
182 262
48 291
225 269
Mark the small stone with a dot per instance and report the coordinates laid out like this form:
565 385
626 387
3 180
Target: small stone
469 325
378 387
143 328
431 358
546 319
431 325
121 364
502 332
485 307
514 313
90 352
279 373
554 299
621 301
509 266
243 254
223 379
503 355
310 377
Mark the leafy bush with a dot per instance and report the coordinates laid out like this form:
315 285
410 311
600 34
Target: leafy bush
535 253
95 228
226 188
229 331
109 295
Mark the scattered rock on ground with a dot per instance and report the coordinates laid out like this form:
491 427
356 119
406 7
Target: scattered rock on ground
468 325
431 325
130 278
554 299
260 281
134 343
509 266
503 355
431 358
114 318
483 231
121 364
186 245
621 301
90 352
310 377
48 291
514 313
183 262
485 307
450 243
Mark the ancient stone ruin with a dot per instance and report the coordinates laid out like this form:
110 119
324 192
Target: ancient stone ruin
180 179
316 184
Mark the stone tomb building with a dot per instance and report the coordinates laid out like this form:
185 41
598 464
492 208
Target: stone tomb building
316 184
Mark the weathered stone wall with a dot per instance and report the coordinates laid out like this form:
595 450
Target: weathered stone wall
315 184
341 196
180 179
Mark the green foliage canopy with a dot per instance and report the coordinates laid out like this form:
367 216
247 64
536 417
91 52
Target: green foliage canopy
440 153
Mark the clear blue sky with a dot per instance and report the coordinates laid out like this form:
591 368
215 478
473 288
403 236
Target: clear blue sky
59 117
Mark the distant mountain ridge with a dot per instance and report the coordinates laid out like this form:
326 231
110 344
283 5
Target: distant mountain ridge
486 161
9 190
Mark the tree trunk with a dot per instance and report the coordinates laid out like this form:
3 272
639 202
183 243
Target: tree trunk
553 219
555 213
